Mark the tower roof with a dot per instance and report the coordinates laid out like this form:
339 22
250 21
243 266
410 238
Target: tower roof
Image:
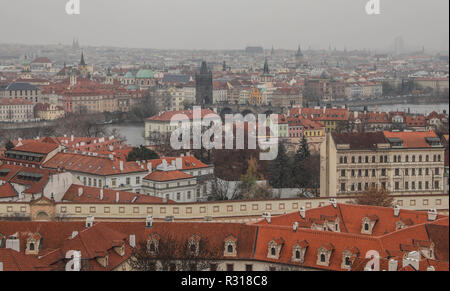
299 52
204 68
82 62
266 67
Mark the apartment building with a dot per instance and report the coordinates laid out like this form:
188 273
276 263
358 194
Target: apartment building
16 110
401 162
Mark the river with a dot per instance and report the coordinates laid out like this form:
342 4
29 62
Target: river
134 133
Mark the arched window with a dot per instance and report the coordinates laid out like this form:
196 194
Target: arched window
230 248
152 247
31 246
273 251
297 254
366 226
347 261
322 258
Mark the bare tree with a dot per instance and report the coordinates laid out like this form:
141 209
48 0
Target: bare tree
223 190
170 253
375 197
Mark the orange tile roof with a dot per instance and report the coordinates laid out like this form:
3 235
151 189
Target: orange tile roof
36 147
416 139
16 261
167 116
92 195
163 176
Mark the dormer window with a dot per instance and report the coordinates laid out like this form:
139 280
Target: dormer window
347 256
153 244
299 251
194 244
324 254
230 249
274 248
368 223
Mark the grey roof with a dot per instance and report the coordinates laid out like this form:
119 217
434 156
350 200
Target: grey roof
20 86
176 78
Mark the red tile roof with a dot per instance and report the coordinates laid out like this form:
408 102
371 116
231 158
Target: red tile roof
163 176
16 261
413 139
7 191
92 195
36 147
167 116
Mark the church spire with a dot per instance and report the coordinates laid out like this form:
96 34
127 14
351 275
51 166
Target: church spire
82 62
299 52
266 67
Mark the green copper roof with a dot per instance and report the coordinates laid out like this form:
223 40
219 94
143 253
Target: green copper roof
144 74
129 75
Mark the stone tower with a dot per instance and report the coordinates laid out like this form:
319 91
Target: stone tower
204 85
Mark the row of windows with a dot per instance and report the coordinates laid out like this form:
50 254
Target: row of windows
417 185
385 159
419 172
358 187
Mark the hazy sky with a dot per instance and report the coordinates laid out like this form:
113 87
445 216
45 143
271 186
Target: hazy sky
226 24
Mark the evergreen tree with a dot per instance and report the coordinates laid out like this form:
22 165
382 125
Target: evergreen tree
9 145
280 174
141 154
300 175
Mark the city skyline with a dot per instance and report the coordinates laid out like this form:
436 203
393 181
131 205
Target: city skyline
214 25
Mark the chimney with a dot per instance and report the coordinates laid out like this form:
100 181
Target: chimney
74 234
432 214
1 267
393 265
80 191
412 259
149 221
111 148
295 226
170 218
89 221
101 194
111 157
121 166
71 138
396 210
179 163
302 212
117 197
164 199
333 202
13 243
149 168
267 216
429 269
133 241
